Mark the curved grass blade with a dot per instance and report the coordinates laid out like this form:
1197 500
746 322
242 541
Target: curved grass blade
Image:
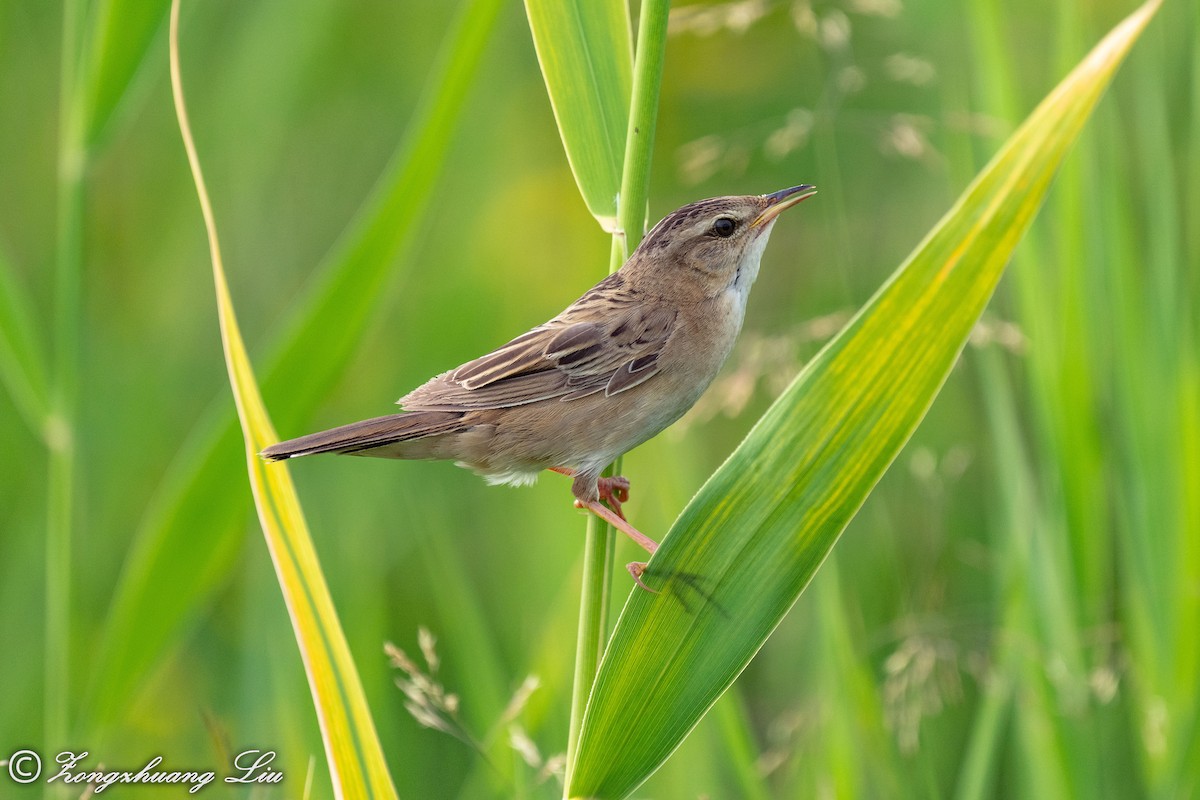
170 570
352 747
742 551
585 51
22 351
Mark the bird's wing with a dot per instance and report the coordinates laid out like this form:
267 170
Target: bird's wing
607 341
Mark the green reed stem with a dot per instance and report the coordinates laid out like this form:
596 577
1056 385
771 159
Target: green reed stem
643 116
600 539
598 557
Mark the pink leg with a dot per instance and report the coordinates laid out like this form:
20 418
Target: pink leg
636 568
614 491
620 523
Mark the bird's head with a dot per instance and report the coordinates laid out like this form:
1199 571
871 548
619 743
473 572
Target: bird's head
712 244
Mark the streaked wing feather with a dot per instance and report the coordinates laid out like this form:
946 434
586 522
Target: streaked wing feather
632 373
573 339
443 393
607 341
507 360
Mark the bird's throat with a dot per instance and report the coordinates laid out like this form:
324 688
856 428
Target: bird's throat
747 268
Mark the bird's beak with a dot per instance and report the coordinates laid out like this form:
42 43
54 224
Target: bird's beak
783 199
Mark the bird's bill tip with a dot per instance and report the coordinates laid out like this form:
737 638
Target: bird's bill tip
777 202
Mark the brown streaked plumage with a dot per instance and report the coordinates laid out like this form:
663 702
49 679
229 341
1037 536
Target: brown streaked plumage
620 364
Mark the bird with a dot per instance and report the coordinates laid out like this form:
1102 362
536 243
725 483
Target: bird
615 368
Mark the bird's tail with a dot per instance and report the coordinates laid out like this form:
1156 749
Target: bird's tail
358 437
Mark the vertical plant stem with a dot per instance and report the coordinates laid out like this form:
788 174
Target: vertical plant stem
600 541
60 424
643 116
599 546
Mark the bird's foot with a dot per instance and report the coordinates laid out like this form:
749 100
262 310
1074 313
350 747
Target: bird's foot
637 569
614 491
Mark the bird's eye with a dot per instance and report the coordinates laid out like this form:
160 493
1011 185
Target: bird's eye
724 227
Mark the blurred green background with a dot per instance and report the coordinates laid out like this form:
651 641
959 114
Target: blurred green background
1016 610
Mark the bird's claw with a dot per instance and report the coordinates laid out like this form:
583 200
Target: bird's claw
614 491
637 569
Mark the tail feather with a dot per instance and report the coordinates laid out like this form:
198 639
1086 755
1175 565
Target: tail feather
368 434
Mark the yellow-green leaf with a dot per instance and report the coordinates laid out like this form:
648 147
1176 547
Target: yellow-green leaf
352 746
168 571
584 48
743 550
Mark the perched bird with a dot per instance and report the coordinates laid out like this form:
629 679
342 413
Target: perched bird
620 364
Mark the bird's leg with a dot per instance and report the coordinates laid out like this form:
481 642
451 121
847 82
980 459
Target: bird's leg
636 568
620 523
614 491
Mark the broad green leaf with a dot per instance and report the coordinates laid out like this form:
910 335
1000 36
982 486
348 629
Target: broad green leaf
742 551
584 48
169 572
352 747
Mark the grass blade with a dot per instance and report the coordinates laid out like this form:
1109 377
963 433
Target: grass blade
122 34
745 547
170 570
352 747
584 48
22 351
